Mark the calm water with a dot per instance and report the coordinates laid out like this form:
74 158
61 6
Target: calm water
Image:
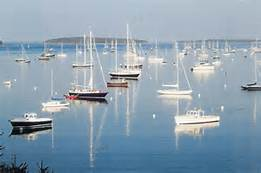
135 130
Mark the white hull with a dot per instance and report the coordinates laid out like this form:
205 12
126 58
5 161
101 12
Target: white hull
174 92
192 119
203 67
62 55
55 104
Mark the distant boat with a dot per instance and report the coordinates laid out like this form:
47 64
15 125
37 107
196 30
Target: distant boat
127 71
47 54
256 49
55 101
117 83
61 54
175 89
254 86
196 117
203 66
31 121
88 92
23 58
105 48
7 82
84 64
154 58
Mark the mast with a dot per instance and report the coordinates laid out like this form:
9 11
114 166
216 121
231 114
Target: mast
52 83
127 46
76 53
177 56
91 59
255 68
84 48
116 56
156 47
62 48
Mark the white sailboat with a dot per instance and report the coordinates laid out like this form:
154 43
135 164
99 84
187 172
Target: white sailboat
105 48
118 82
175 89
203 64
62 54
130 72
256 49
55 101
84 64
24 58
47 54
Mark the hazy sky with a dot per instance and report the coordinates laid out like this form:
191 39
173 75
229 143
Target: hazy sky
36 20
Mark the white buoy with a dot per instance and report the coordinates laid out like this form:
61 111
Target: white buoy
35 88
153 116
199 95
225 86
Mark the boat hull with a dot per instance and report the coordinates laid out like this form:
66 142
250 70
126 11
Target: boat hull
31 124
88 95
175 92
117 84
185 119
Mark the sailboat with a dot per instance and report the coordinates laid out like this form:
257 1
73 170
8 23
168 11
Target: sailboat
84 64
131 53
112 46
55 101
129 72
47 53
88 92
61 54
23 58
155 58
252 86
175 89
117 82
256 49
105 48
203 64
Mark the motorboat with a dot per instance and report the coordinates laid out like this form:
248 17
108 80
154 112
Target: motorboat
196 117
31 121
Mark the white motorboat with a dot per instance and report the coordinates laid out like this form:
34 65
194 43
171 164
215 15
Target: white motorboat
196 117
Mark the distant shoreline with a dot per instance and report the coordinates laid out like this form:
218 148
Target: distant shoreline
98 40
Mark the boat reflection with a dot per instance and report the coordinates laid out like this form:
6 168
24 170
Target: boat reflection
194 130
202 76
172 99
31 134
54 109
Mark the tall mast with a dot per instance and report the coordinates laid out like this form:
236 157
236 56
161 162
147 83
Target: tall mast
52 83
76 53
91 59
116 56
84 48
255 68
127 46
177 57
